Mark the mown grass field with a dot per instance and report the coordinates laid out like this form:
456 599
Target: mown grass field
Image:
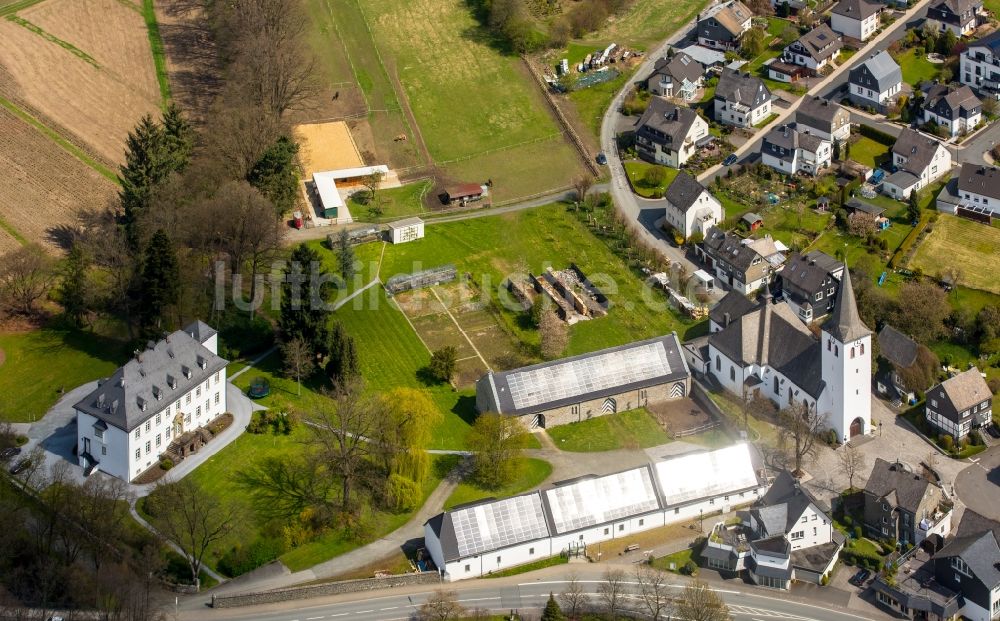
648 22
868 152
406 200
533 473
968 246
916 68
634 429
40 364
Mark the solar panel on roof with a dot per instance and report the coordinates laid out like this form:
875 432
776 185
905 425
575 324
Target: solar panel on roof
601 500
572 378
499 524
702 475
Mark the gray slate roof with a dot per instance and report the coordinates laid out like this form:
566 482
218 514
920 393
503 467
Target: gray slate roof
980 552
772 335
784 140
845 322
890 477
736 87
951 102
966 389
735 304
973 523
856 9
980 180
683 191
154 379
666 118
807 272
896 347
990 41
821 42
917 148
783 504
731 248
818 112
880 71
681 67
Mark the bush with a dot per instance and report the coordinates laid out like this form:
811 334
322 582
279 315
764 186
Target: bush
166 463
858 532
994 384
947 442
690 569
852 556
825 580
848 521
242 559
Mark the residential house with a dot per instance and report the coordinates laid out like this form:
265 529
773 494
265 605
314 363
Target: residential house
785 536
823 118
791 151
900 351
746 265
815 50
976 189
957 109
732 306
741 99
722 26
903 505
979 66
669 134
690 208
919 160
960 404
875 83
809 284
857 19
769 353
960 16
680 76
156 402
785 72
960 578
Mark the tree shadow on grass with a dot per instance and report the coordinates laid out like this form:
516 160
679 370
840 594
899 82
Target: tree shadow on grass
94 345
465 408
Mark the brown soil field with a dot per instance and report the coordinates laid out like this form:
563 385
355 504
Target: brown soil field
96 106
119 42
43 187
192 60
326 146
7 242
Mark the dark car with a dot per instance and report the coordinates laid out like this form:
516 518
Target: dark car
9 452
729 161
20 466
859 578
602 159
993 431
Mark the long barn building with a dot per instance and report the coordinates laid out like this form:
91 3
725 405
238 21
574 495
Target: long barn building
573 389
481 538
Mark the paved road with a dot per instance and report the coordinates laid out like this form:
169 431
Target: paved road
979 485
501 595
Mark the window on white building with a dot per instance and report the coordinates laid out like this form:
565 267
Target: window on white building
138 454
148 447
187 398
157 440
104 450
216 398
137 431
158 420
148 425
197 412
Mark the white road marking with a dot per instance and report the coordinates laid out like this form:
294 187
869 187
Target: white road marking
314 618
389 608
363 612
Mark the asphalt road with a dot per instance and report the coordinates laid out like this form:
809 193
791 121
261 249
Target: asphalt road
978 485
502 595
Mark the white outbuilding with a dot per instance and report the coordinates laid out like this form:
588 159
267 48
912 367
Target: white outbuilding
403 231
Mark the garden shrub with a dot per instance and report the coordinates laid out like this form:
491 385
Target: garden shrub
947 442
690 569
166 463
858 532
876 135
242 559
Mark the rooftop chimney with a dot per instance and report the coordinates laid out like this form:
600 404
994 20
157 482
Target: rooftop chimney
725 319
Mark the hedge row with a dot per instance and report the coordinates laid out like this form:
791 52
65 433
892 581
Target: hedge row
867 560
877 135
909 240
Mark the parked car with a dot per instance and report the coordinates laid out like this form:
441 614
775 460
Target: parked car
20 466
729 161
9 452
859 578
602 159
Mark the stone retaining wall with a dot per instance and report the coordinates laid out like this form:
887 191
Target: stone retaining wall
323 590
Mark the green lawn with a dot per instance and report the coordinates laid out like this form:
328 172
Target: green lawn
969 246
868 152
215 476
397 203
648 22
592 102
626 430
41 364
675 562
916 68
636 173
533 473
552 561
492 248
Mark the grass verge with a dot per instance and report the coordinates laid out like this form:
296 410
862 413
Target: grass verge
552 561
533 472
624 430
66 45
157 49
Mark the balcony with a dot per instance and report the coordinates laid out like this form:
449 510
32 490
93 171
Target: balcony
731 537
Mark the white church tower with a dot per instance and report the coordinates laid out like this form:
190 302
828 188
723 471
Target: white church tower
847 357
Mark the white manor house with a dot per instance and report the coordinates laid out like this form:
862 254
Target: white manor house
173 387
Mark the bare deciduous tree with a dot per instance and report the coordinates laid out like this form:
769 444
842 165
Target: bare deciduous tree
190 518
701 603
852 461
653 590
25 277
300 361
574 597
612 591
582 185
441 606
799 429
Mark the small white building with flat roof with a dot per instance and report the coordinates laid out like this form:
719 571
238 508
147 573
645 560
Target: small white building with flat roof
407 230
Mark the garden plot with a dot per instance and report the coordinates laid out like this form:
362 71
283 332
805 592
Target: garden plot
94 95
43 187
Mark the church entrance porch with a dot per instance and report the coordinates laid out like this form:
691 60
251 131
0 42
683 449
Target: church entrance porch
857 427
